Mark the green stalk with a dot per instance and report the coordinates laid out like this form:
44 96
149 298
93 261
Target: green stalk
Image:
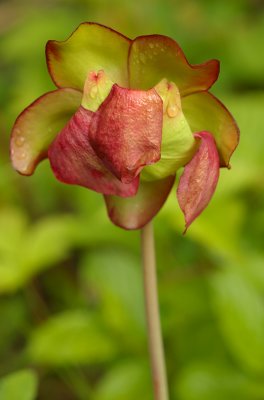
158 367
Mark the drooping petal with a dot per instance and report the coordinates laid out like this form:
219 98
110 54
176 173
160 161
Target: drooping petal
91 47
205 112
199 179
135 212
74 161
36 127
154 57
126 131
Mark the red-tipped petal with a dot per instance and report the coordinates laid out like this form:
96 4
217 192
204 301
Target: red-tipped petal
37 126
90 47
135 212
199 179
126 131
203 111
154 57
74 161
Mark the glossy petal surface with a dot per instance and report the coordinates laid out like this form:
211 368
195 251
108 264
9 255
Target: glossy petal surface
199 179
126 131
90 48
205 112
155 57
37 126
135 212
74 161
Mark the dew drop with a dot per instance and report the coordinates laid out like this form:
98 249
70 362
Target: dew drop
93 92
172 111
19 141
21 155
142 58
151 45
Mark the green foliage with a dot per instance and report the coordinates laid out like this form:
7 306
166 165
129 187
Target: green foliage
71 297
127 380
239 308
73 337
19 385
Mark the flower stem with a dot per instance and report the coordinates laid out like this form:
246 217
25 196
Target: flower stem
156 350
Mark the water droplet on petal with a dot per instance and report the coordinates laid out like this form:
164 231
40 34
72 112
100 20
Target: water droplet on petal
142 58
93 92
19 141
151 45
172 110
21 155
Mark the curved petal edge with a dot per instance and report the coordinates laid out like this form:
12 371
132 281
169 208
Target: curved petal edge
205 112
135 212
37 126
199 179
74 161
154 57
90 47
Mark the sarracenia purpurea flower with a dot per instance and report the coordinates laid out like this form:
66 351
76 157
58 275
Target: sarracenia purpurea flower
126 115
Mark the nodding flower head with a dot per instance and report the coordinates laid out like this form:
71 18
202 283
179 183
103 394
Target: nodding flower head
125 117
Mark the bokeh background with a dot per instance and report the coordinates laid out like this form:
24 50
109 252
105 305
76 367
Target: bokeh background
72 321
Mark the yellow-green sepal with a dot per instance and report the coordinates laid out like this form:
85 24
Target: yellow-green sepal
178 144
96 89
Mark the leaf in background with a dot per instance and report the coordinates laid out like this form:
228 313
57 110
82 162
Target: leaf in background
128 380
25 250
205 381
116 277
240 312
72 337
20 385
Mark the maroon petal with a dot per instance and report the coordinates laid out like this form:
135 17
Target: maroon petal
135 212
74 161
126 131
199 179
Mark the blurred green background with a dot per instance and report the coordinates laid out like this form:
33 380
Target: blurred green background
71 305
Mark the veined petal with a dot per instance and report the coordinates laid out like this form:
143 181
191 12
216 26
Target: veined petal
205 112
126 131
199 179
74 161
154 57
91 47
135 212
36 127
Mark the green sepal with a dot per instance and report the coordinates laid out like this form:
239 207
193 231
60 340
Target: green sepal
96 89
178 144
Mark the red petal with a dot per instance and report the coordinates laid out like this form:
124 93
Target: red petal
126 131
135 212
199 179
74 161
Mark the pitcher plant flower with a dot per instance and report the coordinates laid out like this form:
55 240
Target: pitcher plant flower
125 117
